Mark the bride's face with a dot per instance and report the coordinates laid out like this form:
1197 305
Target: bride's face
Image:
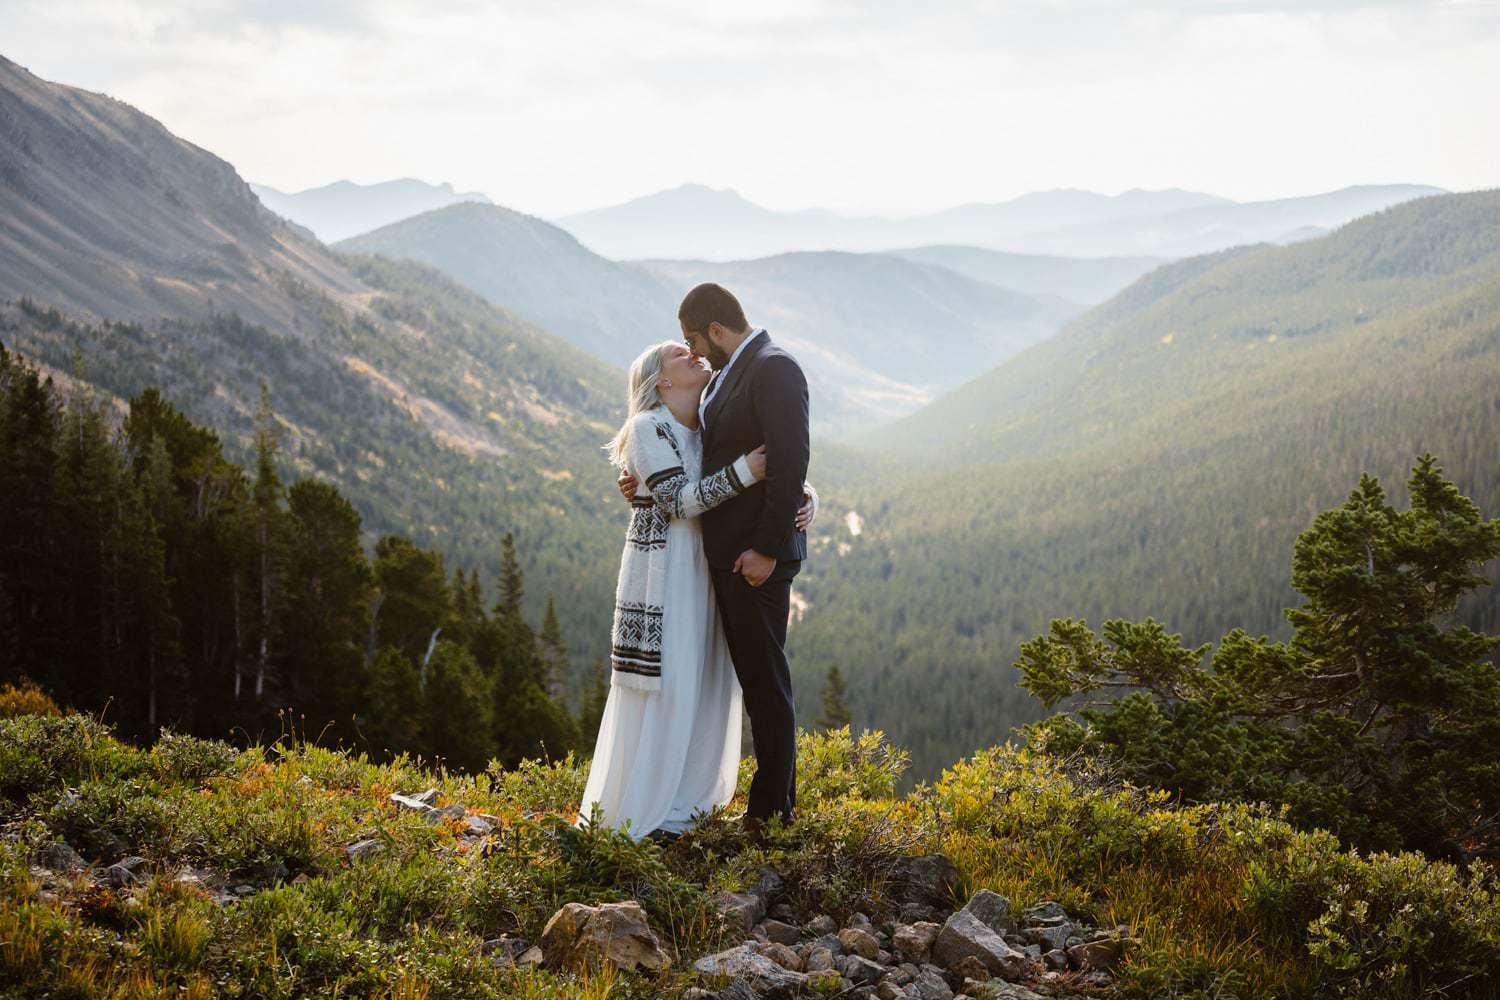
682 369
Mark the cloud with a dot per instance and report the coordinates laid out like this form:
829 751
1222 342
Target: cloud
852 104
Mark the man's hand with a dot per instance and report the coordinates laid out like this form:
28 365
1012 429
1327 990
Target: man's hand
627 484
754 567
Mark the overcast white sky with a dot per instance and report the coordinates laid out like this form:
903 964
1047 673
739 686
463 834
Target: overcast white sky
887 106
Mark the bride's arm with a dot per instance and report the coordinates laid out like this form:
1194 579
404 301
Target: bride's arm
656 464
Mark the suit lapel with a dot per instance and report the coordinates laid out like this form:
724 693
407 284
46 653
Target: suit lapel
733 377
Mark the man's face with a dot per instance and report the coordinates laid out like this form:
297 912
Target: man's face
701 343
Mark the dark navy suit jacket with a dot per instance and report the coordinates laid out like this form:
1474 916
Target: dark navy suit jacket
763 401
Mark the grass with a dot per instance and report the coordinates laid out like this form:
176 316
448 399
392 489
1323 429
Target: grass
1227 901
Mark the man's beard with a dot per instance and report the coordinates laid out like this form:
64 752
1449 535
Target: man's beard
716 355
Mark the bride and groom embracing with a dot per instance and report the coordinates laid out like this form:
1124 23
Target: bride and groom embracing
713 461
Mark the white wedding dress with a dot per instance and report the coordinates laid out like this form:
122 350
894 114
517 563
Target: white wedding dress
663 756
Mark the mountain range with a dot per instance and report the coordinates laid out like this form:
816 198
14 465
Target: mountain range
876 333
342 209
694 221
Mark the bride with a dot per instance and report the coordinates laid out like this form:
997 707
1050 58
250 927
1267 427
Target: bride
669 740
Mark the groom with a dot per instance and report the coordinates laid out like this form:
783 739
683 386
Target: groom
753 544
758 395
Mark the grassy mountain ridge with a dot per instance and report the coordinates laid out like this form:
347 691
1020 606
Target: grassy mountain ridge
540 272
436 413
1157 457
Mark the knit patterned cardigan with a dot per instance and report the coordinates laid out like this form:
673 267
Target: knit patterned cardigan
654 456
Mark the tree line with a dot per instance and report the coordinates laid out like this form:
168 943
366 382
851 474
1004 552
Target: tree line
147 578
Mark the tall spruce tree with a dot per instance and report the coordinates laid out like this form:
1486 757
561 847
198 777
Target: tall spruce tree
835 714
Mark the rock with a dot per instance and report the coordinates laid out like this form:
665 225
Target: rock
831 942
821 960
996 990
60 857
582 937
1049 911
1057 959
822 924
1103 954
505 950
930 985
360 850
993 910
415 803
531 956
769 886
782 933
965 934
126 871
452 811
858 941
745 908
478 825
861 921
860 970
697 993
782 956
1048 938
970 967
737 990
761 974
925 880
888 990
914 941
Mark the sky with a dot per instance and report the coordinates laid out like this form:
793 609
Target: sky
861 106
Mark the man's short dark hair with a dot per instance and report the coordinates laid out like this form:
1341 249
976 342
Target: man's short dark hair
711 303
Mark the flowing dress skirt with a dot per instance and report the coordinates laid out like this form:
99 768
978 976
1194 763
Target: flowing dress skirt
664 755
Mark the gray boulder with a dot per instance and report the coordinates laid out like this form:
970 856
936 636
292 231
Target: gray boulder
925 880
965 935
745 908
60 857
762 975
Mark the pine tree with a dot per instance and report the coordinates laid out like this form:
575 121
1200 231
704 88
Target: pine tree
593 705
270 542
554 653
835 714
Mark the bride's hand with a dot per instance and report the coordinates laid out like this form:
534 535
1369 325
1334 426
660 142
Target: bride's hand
627 484
757 462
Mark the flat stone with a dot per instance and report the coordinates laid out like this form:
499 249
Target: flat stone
532 956
821 960
782 933
914 941
415 803
763 975
360 850
505 950
858 941
745 908
966 935
1048 911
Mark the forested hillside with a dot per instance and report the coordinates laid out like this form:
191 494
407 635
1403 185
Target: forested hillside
132 259
1157 457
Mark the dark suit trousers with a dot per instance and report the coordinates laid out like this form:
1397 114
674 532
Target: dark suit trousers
755 620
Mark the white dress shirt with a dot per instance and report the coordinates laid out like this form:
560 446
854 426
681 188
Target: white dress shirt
708 397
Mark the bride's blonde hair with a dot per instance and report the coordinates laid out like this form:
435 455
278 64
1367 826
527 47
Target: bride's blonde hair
645 372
